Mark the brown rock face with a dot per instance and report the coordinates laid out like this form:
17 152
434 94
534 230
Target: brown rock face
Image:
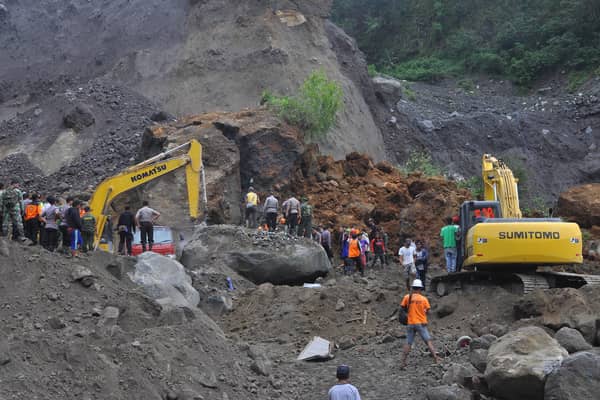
581 204
237 147
347 193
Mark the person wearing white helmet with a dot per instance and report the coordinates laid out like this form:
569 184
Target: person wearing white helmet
417 307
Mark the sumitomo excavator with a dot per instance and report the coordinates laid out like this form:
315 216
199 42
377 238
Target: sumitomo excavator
495 243
188 155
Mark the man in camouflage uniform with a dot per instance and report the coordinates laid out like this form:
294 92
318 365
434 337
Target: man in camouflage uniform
12 210
88 230
306 211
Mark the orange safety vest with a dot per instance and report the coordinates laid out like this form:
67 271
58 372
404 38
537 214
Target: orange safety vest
32 211
354 248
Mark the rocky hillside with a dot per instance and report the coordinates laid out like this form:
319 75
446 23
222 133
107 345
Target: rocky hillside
163 53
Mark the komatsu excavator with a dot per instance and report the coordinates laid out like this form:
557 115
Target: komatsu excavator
188 155
495 243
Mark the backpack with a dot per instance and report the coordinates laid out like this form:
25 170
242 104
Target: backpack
306 210
403 312
10 198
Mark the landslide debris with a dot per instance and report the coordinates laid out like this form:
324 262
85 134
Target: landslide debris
348 192
63 340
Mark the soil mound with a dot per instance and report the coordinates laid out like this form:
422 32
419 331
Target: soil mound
63 340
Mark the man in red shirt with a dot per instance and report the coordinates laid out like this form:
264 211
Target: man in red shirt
417 307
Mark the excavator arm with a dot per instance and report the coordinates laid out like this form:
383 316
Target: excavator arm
147 171
499 184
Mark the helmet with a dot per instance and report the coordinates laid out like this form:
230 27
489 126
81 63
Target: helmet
417 284
343 372
251 189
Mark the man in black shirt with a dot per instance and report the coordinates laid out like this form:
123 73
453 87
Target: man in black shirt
126 228
74 227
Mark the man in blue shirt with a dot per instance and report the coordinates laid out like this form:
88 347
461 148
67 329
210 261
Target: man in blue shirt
343 390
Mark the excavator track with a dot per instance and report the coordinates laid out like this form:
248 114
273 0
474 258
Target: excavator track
524 282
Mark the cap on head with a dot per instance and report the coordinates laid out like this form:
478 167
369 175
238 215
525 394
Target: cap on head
343 372
251 189
417 284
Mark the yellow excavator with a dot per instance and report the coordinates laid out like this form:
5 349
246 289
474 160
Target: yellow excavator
495 243
188 155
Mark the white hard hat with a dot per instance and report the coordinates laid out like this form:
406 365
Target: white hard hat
417 284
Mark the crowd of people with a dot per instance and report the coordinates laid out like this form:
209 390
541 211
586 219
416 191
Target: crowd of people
66 225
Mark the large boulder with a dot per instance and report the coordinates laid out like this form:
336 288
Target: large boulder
578 378
449 392
258 256
581 204
519 362
558 308
572 340
165 280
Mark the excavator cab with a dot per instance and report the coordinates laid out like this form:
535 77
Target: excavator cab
472 213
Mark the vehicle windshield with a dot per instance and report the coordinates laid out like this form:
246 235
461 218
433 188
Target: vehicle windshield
161 235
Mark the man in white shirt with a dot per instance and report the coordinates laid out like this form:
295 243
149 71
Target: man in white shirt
407 255
144 219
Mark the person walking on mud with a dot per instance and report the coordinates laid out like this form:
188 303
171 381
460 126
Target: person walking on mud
343 390
417 307
407 260
145 219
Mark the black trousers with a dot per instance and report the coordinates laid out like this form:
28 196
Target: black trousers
272 220
292 222
51 242
147 234
125 239
380 257
66 237
32 229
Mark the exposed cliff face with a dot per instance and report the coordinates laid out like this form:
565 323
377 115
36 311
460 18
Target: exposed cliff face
190 57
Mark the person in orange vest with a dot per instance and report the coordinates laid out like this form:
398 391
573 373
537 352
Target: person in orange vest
33 212
354 253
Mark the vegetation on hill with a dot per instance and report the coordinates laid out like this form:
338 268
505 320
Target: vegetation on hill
432 39
314 108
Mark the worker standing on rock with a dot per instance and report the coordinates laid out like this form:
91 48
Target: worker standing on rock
417 307
126 228
407 259
252 201
343 390
12 210
145 219
88 230
271 209
448 235
292 215
306 211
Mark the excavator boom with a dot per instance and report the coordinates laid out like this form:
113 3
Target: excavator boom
499 184
147 171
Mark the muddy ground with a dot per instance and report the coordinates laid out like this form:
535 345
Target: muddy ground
63 340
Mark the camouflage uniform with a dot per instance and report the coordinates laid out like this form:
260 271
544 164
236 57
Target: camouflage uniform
88 230
12 214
